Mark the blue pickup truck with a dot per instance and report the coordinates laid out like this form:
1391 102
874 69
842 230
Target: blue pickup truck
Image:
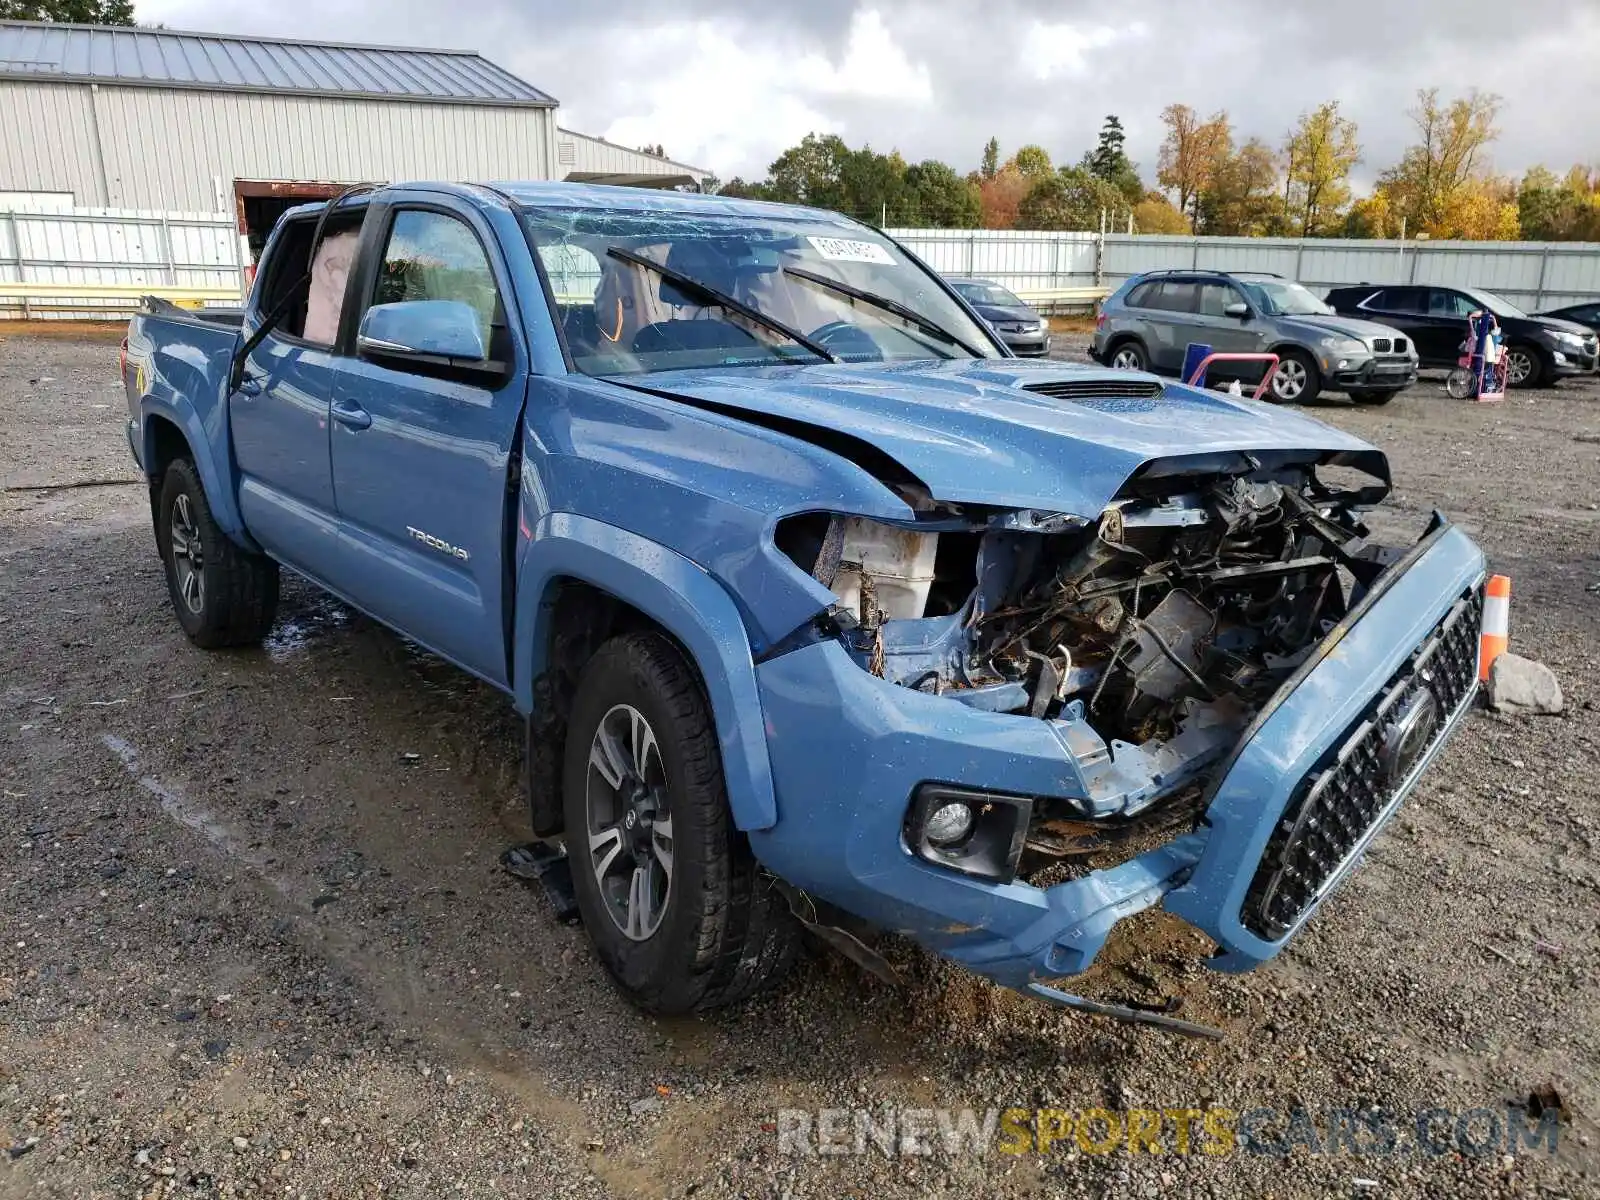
821 608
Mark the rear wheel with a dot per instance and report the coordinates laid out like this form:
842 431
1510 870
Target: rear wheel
1374 395
223 595
677 908
1296 381
1129 356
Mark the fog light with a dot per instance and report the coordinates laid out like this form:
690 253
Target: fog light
975 832
949 824
1344 364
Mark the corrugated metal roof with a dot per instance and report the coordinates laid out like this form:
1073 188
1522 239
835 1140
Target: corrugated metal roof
162 58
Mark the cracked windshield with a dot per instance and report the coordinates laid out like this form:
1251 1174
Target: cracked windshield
638 292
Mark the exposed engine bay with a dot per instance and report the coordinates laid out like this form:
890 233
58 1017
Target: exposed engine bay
1150 636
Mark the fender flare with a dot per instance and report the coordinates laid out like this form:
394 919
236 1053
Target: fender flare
686 602
221 497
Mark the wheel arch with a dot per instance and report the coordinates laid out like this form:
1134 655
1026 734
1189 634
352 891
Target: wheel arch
1118 340
583 581
170 431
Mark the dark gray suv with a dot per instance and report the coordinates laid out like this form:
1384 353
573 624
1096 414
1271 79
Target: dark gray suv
1150 321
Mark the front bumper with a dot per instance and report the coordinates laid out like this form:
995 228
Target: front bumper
1384 372
1567 361
1027 344
848 750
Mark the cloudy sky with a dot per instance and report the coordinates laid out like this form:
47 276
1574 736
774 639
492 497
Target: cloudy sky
727 84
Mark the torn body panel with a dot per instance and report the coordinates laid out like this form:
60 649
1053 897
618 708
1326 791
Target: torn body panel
851 750
1145 639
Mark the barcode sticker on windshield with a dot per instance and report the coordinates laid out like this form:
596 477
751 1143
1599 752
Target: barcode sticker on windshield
851 250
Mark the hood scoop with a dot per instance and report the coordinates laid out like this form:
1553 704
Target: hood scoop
1098 389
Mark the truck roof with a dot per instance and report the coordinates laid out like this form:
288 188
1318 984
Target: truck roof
545 194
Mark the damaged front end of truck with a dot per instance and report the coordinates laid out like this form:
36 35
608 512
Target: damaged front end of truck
1058 719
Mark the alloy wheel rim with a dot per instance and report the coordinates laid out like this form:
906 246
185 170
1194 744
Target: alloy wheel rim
1125 360
629 823
188 555
1518 366
1290 380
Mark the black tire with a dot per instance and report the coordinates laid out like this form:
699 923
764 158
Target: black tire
1539 370
1300 367
724 931
1132 354
1374 395
236 594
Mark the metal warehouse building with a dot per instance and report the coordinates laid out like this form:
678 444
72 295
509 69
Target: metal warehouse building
150 119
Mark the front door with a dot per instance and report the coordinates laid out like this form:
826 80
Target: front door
1211 325
421 456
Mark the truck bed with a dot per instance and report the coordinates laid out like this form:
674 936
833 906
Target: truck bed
229 317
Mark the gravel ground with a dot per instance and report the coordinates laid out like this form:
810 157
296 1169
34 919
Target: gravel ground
256 940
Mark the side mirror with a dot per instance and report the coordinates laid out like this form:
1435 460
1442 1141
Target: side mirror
425 329
1238 309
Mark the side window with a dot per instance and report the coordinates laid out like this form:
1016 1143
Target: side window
1179 296
310 287
1397 300
434 256
1443 303
1215 298
1141 296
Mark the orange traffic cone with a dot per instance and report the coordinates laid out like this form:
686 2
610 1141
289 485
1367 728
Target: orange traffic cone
1496 623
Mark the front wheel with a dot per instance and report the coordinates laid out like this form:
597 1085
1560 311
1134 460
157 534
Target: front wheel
223 595
1296 381
677 908
1524 367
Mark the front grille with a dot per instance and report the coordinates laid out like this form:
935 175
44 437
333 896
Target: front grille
1345 798
1098 389
1399 345
1380 345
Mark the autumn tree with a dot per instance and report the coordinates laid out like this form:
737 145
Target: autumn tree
1032 162
1450 154
1318 156
1155 214
1071 198
1190 152
79 12
1001 197
1552 209
935 195
1109 161
1241 195
991 159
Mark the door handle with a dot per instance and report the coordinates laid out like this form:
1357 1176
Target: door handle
251 385
351 414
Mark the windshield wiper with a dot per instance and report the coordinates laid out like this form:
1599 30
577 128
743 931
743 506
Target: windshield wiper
891 306
723 300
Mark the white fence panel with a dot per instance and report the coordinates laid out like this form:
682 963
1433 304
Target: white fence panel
1021 260
116 247
1535 275
40 244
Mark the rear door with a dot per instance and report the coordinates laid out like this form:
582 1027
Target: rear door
422 454
1439 339
279 416
1174 302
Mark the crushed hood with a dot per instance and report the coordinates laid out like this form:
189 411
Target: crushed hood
972 432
